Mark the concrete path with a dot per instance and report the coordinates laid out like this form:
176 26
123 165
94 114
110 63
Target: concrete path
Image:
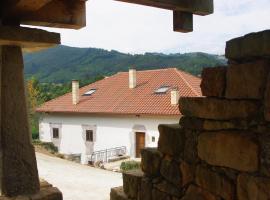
77 182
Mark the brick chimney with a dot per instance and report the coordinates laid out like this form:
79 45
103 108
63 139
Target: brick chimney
75 92
175 96
132 78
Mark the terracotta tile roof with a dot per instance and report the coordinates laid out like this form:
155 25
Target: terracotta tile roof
113 95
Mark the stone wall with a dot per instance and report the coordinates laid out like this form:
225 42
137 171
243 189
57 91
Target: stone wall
221 148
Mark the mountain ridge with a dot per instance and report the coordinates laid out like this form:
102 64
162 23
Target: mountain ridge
62 63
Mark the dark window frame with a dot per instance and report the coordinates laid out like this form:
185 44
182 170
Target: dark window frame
89 135
55 133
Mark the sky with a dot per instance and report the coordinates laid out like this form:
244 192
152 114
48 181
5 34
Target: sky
134 29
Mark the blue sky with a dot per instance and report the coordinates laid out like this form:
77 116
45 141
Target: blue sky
133 29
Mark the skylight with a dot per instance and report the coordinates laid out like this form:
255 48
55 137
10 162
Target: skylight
90 92
162 89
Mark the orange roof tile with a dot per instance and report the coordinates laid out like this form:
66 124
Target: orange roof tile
113 95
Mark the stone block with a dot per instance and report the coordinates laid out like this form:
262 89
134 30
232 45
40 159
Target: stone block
215 183
171 140
146 189
248 80
170 170
188 173
118 194
218 109
253 188
132 183
250 46
212 125
50 193
196 193
190 149
231 149
158 195
44 184
151 159
213 81
19 174
169 188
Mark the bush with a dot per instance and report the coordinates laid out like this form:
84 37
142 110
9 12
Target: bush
49 146
130 165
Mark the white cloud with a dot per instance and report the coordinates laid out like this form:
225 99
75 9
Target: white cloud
138 29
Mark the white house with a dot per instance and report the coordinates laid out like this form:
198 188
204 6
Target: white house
118 113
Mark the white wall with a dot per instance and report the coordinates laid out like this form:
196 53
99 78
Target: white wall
110 131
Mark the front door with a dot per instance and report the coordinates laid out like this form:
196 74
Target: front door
140 143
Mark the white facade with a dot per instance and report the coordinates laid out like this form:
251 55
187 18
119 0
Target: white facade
109 131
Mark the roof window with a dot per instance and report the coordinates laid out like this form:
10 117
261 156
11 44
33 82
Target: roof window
162 89
90 92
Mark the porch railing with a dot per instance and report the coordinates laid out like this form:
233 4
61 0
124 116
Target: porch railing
105 155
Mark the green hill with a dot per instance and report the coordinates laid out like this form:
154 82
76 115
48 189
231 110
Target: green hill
62 63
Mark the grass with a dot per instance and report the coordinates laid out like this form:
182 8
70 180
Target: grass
130 165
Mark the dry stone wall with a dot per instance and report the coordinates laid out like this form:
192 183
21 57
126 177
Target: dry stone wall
220 150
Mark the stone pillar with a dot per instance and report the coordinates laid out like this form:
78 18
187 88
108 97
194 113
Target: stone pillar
19 173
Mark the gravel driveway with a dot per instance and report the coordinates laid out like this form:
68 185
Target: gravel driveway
77 182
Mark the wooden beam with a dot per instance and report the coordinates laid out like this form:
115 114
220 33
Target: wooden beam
30 5
55 13
198 7
182 21
28 38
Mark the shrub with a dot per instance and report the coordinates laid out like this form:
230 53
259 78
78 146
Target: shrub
130 165
49 146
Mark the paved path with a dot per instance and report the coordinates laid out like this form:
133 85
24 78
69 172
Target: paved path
77 182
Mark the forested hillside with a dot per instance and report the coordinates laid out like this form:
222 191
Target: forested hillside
62 64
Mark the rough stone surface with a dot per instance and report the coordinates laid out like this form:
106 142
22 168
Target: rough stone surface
49 193
45 193
196 193
171 140
146 189
191 143
215 183
118 194
132 183
188 173
267 100
19 168
158 195
213 81
218 109
253 188
170 170
229 149
250 46
213 125
169 188
151 159
248 80
264 140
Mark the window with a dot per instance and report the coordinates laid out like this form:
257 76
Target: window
55 133
162 89
89 136
90 92
153 139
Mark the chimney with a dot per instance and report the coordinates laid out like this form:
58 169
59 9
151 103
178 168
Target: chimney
132 78
175 96
75 92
